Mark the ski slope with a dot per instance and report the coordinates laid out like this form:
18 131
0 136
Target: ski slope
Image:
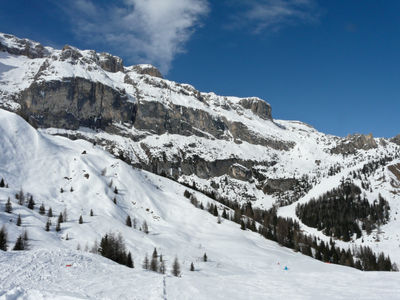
242 264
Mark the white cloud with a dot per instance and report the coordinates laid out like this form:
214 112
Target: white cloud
272 15
144 31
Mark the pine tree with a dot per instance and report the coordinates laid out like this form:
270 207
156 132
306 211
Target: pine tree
58 226
60 218
72 189
42 209
80 220
155 254
192 267
19 221
50 213
8 208
129 261
163 268
115 200
3 238
61 190
115 190
134 223
19 244
2 184
154 264
242 225
146 264
31 203
205 257
128 221
65 215
48 223
21 197
145 227
91 213
176 268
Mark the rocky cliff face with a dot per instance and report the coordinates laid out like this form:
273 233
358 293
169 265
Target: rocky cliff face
226 144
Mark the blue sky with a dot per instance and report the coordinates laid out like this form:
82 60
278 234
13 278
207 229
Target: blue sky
332 64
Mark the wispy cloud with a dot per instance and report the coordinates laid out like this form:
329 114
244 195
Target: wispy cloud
272 15
144 31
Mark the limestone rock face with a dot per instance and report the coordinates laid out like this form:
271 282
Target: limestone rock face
258 107
396 139
75 102
110 62
240 172
147 69
279 185
355 142
16 46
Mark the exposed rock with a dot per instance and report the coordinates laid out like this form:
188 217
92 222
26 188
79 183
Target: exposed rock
110 62
258 107
75 102
240 172
16 46
355 142
396 139
279 185
147 69
69 52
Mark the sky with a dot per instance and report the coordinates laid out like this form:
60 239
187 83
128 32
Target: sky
332 64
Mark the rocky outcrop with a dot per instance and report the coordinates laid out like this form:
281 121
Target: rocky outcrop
396 139
75 102
16 46
279 185
157 118
258 107
240 172
355 142
110 62
148 70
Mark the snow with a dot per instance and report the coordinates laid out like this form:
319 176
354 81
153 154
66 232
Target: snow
242 264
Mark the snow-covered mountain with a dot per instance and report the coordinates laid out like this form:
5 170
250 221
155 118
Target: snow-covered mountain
107 132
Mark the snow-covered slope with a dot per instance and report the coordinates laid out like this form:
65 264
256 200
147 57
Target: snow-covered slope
241 265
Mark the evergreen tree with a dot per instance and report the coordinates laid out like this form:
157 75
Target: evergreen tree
205 257
3 238
2 184
19 244
58 226
146 264
72 189
80 220
8 208
242 225
19 221
224 215
21 197
154 264
128 221
176 268
42 209
60 218
134 223
61 190
31 203
48 223
155 254
50 213
91 213
192 267
65 215
163 268
115 190
115 200
145 227
129 261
